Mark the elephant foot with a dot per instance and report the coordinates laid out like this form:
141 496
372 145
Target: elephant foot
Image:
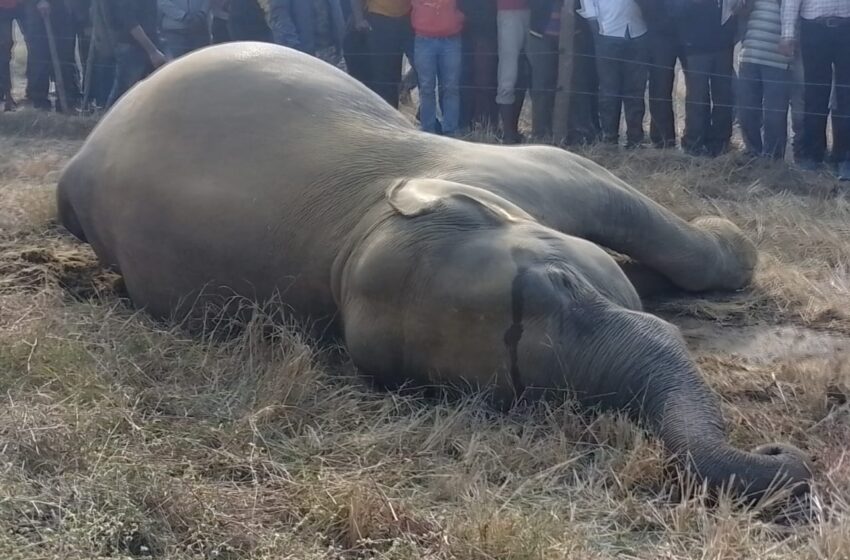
736 258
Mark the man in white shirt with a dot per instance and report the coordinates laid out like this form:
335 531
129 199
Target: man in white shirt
822 30
622 55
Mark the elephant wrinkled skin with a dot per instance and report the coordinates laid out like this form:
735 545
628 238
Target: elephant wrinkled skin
252 170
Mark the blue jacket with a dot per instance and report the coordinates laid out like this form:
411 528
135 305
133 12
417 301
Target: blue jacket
293 23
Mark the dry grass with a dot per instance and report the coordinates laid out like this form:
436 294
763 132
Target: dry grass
121 437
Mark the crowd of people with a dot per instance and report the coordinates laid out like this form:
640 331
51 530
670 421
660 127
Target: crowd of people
473 61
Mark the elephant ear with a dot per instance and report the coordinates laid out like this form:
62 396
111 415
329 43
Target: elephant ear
415 197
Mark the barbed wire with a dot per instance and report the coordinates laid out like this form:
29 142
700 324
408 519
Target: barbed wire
595 57
732 77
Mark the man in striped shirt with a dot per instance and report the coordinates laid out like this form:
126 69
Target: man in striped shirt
763 82
824 39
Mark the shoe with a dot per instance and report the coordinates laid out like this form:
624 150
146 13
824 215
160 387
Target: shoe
9 104
510 124
664 145
808 165
844 171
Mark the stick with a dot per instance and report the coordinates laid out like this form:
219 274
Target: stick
57 68
89 65
561 125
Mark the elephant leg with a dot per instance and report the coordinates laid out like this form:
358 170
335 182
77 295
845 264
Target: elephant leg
581 198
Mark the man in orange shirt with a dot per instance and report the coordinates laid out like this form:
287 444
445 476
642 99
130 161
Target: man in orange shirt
10 11
386 24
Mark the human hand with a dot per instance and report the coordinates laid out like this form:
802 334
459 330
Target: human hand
787 46
43 7
157 58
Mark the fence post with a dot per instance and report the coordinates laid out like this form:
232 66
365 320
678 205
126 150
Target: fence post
561 117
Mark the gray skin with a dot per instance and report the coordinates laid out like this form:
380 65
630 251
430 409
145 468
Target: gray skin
252 170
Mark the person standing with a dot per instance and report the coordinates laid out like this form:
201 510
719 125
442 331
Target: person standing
184 25
707 30
39 60
10 11
386 25
220 10
315 27
480 63
137 54
437 25
247 22
622 54
764 82
584 125
543 41
665 50
824 40
513 21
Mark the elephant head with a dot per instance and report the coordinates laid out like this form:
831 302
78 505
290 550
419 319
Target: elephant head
455 285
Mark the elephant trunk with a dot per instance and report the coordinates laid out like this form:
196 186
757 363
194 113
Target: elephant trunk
639 363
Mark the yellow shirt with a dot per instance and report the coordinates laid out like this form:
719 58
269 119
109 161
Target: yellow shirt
389 8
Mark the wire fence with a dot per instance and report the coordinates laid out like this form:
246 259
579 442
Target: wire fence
731 75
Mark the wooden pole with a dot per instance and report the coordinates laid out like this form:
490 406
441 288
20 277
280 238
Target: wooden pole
57 67
89 68
561 117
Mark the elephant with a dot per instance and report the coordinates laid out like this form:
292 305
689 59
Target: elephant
251 170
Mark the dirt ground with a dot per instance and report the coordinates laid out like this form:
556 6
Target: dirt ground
122 438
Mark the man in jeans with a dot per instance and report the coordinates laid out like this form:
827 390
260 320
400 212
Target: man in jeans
824 37
184 25
437 50
386 25
133 23
707 31
764 83
315 27
621 59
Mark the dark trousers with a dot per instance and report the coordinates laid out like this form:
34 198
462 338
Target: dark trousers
584 103
823 48
7 17
248 23
131 66
622 67
355 50
763 96
542 54
709 102
102 78
220 31
665 49
179 43
39 62
387 43
478 81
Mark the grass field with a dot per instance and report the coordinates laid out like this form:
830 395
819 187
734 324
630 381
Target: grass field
121 437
